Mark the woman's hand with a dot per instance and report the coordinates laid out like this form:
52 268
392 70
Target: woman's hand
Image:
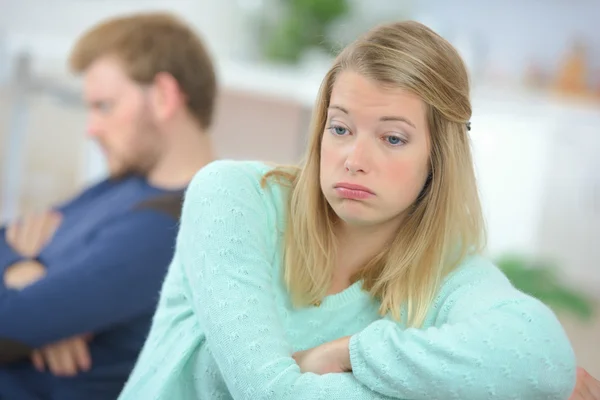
587 388
331 357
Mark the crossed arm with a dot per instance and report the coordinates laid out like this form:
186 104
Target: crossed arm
115 278
494 344
20 243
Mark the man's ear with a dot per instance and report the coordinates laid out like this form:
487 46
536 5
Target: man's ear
167 97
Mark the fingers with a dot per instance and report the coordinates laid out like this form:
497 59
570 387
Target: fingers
67 358
11 234
37 360
297 356
594 389
39 230
59 360
581 394
35 231
591 386
29 235
19 235
587 387
81 354
50 224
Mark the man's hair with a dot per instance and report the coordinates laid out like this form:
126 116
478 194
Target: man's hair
150 43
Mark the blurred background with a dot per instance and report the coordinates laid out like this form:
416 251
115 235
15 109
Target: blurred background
535 69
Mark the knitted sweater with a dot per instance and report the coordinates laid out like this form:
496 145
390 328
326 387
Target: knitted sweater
225 327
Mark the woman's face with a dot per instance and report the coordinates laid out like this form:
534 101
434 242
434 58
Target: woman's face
374 151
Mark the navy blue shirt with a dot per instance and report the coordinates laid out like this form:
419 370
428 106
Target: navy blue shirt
105 267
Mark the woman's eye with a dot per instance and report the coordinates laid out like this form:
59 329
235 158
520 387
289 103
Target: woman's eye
338 130
394 140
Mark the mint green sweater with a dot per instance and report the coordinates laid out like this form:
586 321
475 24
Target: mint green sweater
225 328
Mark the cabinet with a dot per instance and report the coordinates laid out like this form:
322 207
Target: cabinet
570 226
539 177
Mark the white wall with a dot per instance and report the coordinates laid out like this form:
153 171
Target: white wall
510 151
509 34
49 28
513 33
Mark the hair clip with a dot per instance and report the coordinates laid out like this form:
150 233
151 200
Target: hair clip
469 125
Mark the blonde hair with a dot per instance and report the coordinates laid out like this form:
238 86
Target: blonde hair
149 43
443 226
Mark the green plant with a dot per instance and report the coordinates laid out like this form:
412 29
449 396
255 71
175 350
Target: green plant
304 24
541 280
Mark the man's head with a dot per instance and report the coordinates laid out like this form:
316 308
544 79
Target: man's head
143 75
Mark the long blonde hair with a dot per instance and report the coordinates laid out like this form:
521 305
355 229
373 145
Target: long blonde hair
443 226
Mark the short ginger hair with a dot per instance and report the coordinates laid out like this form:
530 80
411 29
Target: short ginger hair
151 43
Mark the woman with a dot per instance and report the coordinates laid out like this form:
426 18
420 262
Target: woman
358 274
587 387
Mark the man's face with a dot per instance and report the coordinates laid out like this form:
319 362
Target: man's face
121 119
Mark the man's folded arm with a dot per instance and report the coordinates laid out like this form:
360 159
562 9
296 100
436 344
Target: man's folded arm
116 279
8 256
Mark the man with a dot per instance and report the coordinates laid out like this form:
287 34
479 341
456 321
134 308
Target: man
80 282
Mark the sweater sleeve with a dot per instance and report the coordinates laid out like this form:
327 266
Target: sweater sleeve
226 246
496 343
113 278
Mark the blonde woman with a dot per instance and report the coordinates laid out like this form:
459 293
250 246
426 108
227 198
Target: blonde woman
356 275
